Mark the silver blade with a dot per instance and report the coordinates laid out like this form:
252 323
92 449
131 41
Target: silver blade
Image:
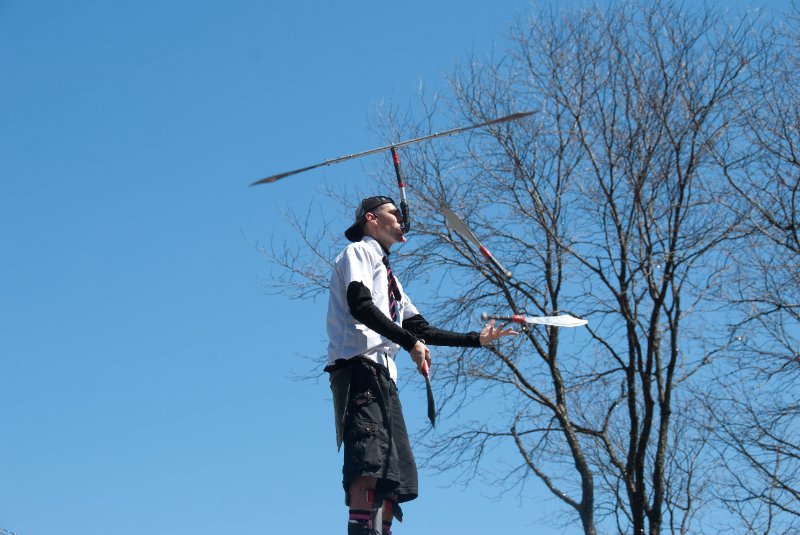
459 226
426 373
563 320
431 402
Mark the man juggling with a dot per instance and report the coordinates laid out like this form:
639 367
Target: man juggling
370 318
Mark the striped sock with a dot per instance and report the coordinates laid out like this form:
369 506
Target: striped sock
360 522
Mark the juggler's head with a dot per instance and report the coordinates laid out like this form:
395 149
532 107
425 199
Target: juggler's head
379 218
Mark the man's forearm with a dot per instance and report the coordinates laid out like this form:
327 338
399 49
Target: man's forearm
419 327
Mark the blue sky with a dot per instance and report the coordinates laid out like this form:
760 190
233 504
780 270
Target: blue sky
147 381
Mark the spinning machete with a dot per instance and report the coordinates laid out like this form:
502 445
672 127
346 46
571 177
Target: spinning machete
395 158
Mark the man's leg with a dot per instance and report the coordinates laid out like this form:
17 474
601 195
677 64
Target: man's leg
367 517
369 449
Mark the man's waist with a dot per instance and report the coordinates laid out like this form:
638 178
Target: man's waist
377 367
377 351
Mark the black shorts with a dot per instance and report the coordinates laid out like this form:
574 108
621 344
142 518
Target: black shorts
374 432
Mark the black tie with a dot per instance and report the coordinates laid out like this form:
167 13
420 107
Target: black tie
394 291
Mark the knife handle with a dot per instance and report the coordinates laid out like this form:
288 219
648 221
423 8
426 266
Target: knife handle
522 320
490 257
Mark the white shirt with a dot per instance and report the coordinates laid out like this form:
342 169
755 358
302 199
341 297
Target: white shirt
347 337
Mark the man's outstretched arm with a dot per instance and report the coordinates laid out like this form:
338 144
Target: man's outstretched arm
420 328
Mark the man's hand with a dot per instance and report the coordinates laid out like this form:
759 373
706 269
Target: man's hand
421 357
490 333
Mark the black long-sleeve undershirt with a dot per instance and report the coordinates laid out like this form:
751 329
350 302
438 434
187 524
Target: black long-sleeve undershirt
439 337
362 308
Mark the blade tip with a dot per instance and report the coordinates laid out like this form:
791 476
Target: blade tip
267 180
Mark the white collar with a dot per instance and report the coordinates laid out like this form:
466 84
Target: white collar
375 245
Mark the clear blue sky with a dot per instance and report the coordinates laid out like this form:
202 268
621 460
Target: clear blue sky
146 379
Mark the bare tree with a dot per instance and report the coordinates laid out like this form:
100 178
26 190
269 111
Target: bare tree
607 205
758 424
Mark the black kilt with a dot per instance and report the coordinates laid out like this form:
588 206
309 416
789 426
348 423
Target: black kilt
370 423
